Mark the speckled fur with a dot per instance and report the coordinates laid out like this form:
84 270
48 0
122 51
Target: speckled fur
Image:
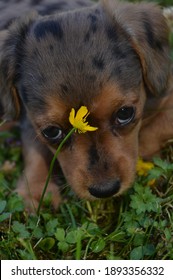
58 55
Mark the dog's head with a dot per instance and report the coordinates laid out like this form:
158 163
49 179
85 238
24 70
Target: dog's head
108 57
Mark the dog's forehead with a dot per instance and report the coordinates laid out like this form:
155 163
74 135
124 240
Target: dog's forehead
74 54
101 108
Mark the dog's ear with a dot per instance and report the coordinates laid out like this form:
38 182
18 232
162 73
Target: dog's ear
148 33
12 42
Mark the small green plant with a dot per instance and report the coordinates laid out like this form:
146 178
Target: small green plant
137 226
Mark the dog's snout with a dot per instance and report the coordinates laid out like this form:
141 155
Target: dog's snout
104 190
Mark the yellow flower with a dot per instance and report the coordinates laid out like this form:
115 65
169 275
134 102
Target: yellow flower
143 167
151 182
79 121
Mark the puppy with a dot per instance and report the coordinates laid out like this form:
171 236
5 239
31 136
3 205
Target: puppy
110 56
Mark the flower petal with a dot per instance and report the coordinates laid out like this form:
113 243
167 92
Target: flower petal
90 128
72 116
81 113
143 167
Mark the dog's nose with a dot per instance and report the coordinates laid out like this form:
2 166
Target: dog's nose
104 190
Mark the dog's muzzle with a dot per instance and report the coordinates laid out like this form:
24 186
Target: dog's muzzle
105 190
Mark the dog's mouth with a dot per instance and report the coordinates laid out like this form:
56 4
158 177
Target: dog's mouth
105 190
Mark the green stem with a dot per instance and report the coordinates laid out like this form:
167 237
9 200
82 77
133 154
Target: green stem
78 246
167 199
1 123
51 168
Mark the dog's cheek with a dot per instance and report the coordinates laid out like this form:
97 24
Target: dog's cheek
74 161
123 154
127 169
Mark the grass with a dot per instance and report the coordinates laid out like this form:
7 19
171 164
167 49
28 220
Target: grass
138 225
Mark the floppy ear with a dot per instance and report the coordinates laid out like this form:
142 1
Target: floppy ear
12 43
148 33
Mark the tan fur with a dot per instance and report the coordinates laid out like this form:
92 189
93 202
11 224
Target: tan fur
32 182
157 129
107 56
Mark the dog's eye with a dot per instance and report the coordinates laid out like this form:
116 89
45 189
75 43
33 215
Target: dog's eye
124 116
53 134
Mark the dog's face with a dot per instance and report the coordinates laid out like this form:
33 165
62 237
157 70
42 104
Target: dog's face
97 58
